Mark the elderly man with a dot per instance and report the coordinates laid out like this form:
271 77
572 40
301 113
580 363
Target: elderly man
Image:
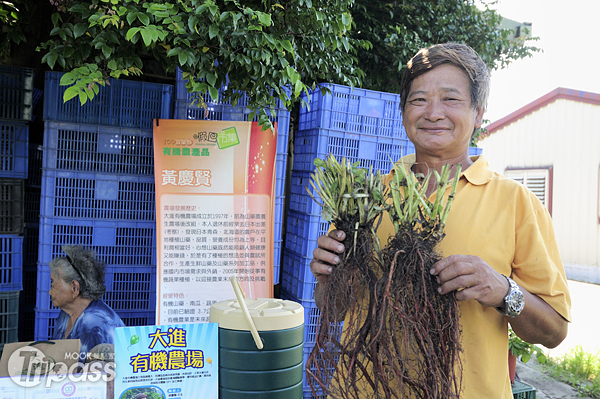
500 253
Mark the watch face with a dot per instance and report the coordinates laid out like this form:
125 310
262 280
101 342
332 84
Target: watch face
514 302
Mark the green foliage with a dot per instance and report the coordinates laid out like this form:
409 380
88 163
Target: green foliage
478 134
270 50
345 189
410 206
261 47
398 29
579 369
13 24
525 350
348 193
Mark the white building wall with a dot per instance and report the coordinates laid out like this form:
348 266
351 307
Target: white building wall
565 134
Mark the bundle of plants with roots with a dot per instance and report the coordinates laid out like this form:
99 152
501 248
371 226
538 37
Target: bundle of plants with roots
352 199
401 338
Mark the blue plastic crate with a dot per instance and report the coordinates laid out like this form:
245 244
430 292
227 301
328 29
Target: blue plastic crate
12 206
45 321
31 243
277 262
312 322
9 315
116 243
137 318
16 93
369 151
14 147
28 295
312 319
475 151
302 232
300 200
181 94
277 233
124 103
280 174
278 218
215 112
33 199
11 264
353 110
127 288
222 110
34 172
95 148
306 389
296 277
85 195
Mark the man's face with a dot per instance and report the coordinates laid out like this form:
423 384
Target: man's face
438 117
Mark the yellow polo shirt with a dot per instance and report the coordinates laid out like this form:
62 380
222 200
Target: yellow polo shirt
504 223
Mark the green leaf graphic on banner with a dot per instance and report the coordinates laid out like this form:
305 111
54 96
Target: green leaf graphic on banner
228 138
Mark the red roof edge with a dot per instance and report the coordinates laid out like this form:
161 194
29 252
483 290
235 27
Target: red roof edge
561 92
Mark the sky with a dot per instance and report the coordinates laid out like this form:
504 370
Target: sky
569 32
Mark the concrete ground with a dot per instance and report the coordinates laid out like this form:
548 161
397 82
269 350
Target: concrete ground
546 387
583 331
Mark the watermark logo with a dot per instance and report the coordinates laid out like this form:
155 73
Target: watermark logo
68 389
30 367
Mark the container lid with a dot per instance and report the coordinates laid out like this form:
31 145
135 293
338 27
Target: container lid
268 314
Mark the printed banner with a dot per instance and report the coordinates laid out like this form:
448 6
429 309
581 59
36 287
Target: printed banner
178 361
215 191
72 386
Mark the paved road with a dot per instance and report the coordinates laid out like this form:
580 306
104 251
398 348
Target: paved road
546 387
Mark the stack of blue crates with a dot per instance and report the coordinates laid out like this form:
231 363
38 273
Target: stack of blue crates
97 190
31 237
363 126
16 110
223 110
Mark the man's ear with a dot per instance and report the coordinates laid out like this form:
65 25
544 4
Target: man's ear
479 116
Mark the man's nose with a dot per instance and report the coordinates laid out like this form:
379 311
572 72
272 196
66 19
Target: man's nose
434 111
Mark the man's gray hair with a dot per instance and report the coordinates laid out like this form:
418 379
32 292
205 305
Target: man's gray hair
459 55
81 265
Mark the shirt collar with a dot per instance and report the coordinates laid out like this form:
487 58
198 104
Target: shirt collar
478 173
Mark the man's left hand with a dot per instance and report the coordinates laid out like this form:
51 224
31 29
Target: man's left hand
472 278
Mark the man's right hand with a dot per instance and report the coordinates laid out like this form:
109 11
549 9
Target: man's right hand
327 254
325 257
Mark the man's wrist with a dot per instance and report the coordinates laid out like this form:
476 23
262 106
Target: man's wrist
514 301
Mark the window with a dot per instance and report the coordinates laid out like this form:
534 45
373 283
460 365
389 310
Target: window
538 180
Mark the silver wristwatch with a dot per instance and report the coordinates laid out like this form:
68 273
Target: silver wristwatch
513 301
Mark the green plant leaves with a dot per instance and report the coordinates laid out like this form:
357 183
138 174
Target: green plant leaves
524 350
251 43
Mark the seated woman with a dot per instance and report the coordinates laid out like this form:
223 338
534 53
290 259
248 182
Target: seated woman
77 286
